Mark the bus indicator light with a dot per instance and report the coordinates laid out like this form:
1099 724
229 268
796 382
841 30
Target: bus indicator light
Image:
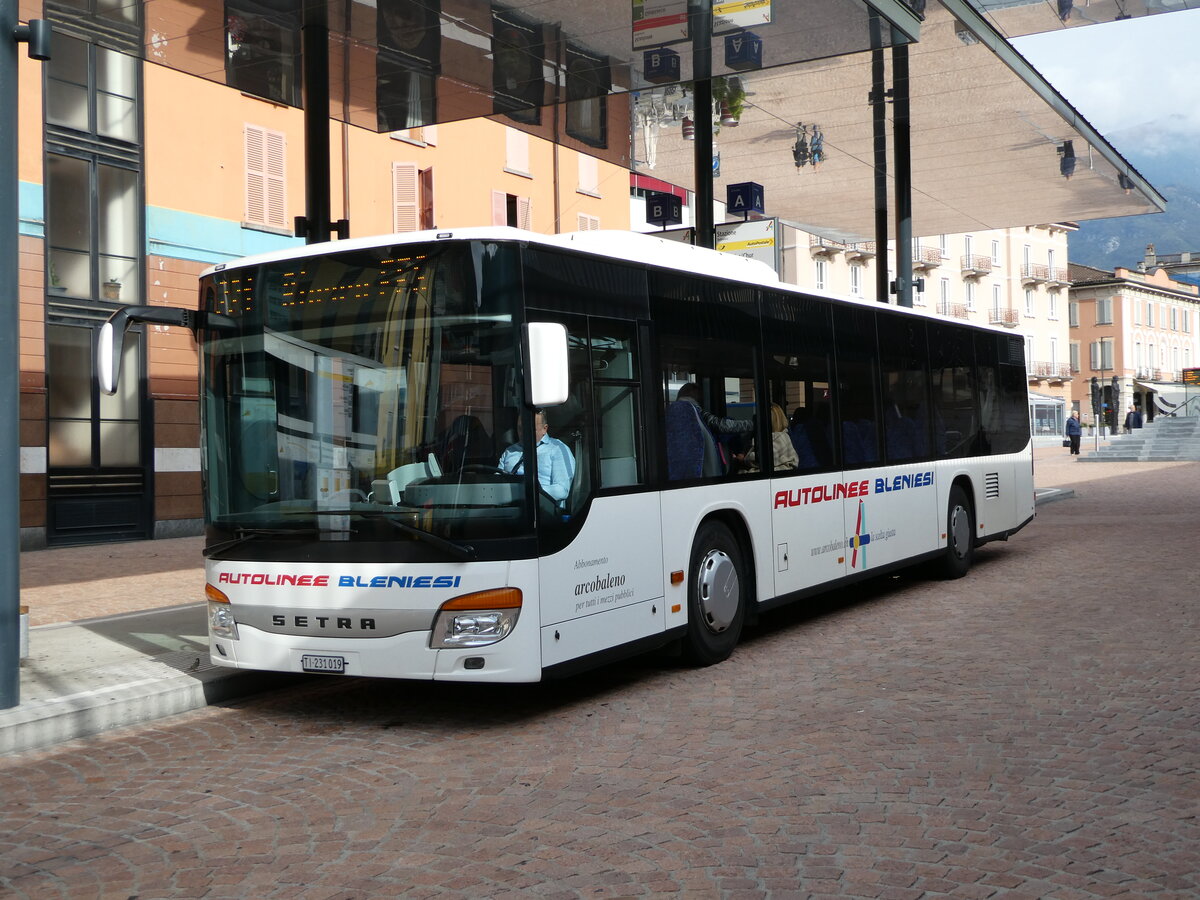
677 577
675 607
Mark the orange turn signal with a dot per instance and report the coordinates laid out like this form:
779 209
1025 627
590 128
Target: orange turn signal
496 598
677 577
214 595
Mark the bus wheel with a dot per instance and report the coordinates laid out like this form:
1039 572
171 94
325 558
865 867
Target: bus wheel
960 535
716 596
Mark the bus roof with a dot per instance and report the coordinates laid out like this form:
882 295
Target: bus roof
630 246
626 245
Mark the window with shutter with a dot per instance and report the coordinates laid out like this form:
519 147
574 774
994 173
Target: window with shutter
524 213
266 174
589 175
588 223
516 151
405 197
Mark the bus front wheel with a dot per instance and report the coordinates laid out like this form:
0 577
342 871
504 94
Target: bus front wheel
960 535
716 596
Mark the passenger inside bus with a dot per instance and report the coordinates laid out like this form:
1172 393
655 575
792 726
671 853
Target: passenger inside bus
784 454
693 452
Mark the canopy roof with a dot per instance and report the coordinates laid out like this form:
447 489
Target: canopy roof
993 144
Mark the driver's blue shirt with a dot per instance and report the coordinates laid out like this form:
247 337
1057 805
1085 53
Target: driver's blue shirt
556 465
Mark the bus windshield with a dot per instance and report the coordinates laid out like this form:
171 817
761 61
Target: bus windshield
365 395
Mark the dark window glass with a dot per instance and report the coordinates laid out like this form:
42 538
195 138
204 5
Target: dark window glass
577 284
952 378
588 82
409 40
708 335
857 386
904 386
798 338
518 82
262 50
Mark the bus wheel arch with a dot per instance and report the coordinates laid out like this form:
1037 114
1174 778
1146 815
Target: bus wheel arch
720 585
959 552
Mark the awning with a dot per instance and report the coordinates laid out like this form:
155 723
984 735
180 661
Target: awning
1166 394
1035 397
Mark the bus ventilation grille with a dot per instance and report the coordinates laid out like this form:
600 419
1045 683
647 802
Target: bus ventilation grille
991 485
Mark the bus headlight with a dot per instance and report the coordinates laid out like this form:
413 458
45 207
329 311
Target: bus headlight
475 620
220 614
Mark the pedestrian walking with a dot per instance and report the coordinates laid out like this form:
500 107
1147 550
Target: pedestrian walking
1133 419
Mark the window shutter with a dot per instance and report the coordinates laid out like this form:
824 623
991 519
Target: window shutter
588 223
266 177
524 213
426 198
405 212
256 176
589 174
516 150
499 208
430 132
276 179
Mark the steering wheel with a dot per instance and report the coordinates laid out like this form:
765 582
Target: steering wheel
483 469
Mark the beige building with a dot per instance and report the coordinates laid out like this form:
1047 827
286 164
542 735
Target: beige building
1015 278
1139 328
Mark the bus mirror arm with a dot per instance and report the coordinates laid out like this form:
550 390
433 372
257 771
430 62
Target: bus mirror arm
111 340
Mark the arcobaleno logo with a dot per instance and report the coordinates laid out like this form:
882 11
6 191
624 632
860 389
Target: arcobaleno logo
599 583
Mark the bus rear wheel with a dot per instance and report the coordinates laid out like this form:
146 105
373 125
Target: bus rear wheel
716 596
960 535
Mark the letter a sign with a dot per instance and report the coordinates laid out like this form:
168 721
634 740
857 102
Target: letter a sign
744 198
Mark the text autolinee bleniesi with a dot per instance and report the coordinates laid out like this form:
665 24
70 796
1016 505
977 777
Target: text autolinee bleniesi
840 490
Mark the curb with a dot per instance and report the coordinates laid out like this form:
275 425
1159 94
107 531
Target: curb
1052 495
160 691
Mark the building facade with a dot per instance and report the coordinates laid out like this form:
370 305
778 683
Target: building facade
136 175
1133 332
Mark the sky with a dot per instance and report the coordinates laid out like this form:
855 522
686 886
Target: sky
1123 74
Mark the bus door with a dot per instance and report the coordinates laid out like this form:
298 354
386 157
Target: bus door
601 582
808 527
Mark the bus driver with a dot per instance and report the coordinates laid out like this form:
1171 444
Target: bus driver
556 464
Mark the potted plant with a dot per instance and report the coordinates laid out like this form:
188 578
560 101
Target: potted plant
56 286
730 93
111 289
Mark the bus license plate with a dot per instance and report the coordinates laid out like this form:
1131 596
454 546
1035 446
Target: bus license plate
312 663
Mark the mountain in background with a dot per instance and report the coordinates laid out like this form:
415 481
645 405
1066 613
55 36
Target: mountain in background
1165 153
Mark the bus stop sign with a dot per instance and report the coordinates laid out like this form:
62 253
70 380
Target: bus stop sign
663 209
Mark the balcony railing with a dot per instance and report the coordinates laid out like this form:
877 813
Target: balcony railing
926 257
823 246
860 250
973 265
1049 371
1056 276
1002 315
957 310
1034 273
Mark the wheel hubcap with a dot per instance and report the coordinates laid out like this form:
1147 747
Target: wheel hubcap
718 590
960 531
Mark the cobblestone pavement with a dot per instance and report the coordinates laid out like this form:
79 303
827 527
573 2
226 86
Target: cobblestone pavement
1029 731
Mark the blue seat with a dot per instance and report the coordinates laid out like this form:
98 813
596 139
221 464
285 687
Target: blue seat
685 441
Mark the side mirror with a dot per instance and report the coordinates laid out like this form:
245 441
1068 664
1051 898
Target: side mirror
546 375
111 340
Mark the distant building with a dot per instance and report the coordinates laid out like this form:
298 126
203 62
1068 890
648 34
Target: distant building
1139 328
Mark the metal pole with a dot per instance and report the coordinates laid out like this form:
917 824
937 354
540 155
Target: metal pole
700 21
878 98
10 445
315 39
901 149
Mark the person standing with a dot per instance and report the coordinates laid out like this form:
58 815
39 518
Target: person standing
1074 432
1133 419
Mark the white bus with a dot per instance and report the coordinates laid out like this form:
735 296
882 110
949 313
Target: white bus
357 398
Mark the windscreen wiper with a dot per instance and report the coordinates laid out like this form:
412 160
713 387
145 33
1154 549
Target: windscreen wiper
245 534
455 549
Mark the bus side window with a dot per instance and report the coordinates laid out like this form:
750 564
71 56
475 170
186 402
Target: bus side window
708 336
615 369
